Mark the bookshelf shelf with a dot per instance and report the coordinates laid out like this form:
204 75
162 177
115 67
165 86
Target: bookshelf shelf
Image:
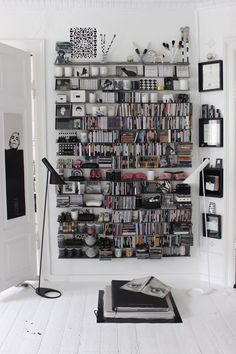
113 123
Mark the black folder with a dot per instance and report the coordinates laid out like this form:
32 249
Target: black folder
124 300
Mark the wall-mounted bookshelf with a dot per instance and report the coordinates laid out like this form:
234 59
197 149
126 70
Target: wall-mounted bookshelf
114 132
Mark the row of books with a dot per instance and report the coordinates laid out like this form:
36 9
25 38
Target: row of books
142 136
124 162
126 188
121 202
139 120
88 84
166 215
167 240
124 149
149 162
147 229
161 109
69 200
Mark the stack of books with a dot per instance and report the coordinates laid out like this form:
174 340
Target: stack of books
145 298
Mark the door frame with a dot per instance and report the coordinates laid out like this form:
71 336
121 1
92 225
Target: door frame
36 47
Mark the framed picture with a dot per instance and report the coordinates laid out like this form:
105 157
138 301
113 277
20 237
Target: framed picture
77 124
210 76
127 71
213 225
78 110
213 180
211 132
63 110
61 98
14 135
81 71
62 84
77 96
68 188
107 84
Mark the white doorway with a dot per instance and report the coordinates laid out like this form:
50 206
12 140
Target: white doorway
37 61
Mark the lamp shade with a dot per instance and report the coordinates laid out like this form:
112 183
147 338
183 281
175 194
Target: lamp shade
191 178
54 176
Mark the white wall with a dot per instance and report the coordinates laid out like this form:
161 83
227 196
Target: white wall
141 25
215 27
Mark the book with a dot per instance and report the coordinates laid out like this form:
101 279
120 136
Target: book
110 313
149 286
123 300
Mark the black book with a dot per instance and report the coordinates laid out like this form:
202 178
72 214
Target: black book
124 300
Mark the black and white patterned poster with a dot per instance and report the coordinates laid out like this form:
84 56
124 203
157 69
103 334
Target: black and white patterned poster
83 42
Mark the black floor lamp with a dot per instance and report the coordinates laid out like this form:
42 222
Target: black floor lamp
56 180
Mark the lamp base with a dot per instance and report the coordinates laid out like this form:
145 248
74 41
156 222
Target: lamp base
200 291
44 291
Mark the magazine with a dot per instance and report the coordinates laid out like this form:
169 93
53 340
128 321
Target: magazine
149 286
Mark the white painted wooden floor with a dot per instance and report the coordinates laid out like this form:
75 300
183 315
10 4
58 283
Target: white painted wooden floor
30 324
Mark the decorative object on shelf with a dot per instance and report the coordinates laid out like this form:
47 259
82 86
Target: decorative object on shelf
210 76
138 52
185 43
172 52
191 180
56 180
155 56
130 59
213 182
210 127
213 227
211 56
63 53
212 208
68 187
83 42
105 50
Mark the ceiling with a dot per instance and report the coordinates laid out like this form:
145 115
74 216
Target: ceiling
64 4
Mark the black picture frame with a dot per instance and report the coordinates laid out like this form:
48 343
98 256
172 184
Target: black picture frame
213 180
211 132
62 84
210 76
63 110
213 225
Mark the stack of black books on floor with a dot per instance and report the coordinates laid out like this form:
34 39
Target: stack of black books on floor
137 301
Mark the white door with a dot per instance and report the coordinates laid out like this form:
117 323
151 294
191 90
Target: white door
17 222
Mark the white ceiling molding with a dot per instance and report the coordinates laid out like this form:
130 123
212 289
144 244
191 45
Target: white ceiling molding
72 4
